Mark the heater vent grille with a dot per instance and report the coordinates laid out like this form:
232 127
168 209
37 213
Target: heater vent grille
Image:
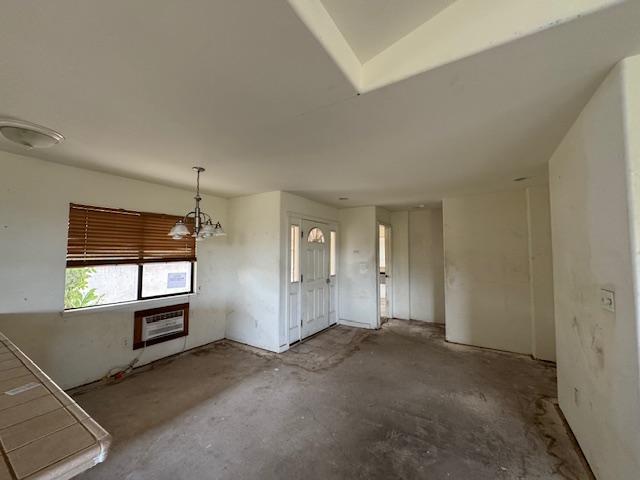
154 326
160 324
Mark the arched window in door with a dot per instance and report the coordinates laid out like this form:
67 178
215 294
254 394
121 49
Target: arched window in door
315 236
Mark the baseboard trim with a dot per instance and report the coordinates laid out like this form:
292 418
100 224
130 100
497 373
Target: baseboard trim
351 323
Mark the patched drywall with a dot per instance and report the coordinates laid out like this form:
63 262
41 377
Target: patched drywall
253 279
418 265
79 347
400 253
426 265
498 276
357 291
541 274
487 271
594 202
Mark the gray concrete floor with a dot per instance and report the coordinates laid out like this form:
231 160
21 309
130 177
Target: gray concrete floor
395 403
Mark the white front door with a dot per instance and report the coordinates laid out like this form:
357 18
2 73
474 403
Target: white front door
315 278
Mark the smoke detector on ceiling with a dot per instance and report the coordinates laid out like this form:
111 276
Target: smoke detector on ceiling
29 134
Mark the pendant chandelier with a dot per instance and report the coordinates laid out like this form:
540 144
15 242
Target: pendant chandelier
201 226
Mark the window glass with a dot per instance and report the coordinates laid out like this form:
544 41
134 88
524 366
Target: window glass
116 256
100 285
332 254
382 248
315 236
294 249
165 278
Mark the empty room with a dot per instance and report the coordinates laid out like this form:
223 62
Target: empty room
320 239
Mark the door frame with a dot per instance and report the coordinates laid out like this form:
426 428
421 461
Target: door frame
388 268
294 218
315 317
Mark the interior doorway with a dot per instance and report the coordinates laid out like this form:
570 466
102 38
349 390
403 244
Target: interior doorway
384 273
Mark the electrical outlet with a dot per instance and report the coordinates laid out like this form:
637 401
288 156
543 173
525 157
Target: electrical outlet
607 300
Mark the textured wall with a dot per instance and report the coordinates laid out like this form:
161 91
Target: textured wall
593 180
426 265
487 271
79 347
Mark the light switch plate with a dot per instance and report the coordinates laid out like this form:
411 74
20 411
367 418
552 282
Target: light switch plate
607 300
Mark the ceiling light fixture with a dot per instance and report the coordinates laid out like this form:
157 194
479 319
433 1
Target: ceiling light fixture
203 226
29 134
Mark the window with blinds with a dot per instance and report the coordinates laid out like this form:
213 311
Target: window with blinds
107 236
116 255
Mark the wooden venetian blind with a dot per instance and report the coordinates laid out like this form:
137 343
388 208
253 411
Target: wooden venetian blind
107 236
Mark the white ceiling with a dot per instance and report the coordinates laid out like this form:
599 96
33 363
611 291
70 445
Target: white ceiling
147 89
370 26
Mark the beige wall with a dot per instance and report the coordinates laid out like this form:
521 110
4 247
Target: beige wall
487 271
400 273
541 274
253 274
426 265
357 291
238 277
383 215
594 206
258 259
418 265
497 275
79 347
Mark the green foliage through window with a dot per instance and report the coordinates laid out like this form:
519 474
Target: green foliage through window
77 293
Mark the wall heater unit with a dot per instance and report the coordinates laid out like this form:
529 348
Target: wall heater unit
160 324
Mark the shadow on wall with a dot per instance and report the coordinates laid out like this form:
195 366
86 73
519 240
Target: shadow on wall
80 348
497 270
426 265
38 335
490 313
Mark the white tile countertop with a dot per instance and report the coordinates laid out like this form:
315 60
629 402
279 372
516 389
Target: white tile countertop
44 434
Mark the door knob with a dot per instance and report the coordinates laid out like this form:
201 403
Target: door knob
328 280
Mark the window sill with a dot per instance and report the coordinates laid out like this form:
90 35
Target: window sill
131 306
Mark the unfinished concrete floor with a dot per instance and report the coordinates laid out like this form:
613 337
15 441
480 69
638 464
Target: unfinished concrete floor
394 403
